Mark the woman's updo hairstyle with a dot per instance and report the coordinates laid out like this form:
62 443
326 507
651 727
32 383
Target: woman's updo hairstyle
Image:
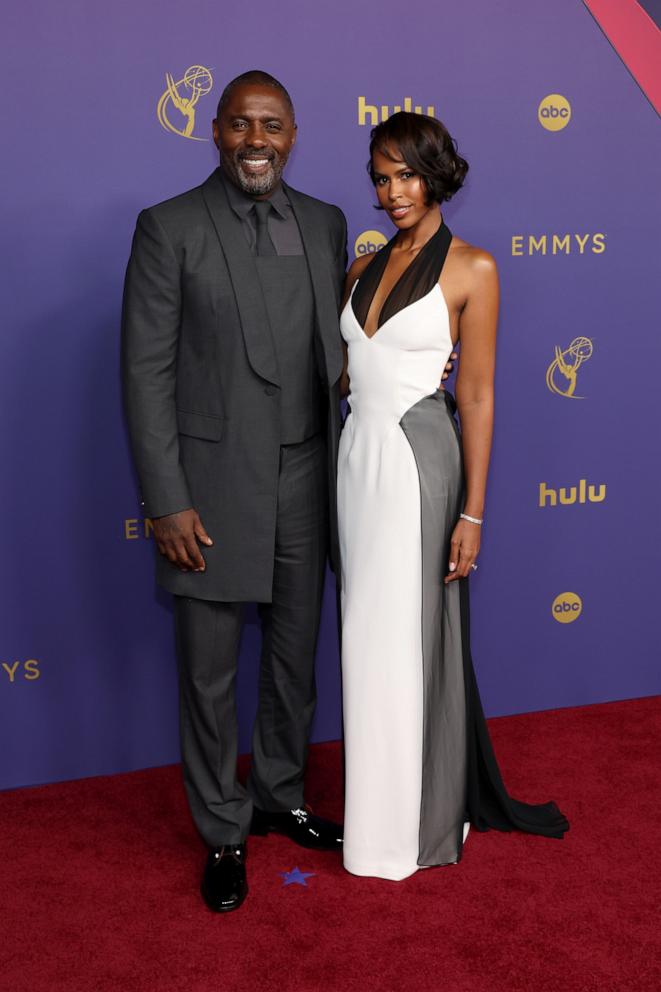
427 148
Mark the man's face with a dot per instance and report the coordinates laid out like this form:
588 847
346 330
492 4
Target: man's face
254 135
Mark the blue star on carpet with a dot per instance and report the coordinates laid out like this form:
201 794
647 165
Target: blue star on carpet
296 877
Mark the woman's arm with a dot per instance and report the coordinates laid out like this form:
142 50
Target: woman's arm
475 402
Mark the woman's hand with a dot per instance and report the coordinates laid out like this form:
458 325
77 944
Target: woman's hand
464 547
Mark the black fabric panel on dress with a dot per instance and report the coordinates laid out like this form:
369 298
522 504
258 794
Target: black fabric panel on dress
418 279
489 804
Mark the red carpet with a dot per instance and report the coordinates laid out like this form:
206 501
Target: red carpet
100 884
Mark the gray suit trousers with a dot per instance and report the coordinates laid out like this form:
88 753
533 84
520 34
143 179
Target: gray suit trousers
208 635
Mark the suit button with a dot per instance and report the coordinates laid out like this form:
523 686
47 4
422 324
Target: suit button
271 390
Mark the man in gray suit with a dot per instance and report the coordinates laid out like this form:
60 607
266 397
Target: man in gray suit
231 358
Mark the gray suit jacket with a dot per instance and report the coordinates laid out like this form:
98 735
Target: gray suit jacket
201 379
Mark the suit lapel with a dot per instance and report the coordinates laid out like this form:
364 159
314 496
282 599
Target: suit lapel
245 280
321 274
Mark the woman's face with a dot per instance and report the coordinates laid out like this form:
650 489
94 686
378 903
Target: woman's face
400 190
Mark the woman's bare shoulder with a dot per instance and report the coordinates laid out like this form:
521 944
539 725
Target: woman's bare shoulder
471 258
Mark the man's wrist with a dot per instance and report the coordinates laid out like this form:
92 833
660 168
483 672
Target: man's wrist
183 509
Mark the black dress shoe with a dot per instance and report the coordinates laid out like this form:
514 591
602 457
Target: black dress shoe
224 885
299 825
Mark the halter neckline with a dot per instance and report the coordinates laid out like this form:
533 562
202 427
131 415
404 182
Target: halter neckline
416 281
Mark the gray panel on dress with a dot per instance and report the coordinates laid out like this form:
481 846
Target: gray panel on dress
433 435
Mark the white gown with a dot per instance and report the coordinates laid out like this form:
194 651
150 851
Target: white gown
381 550
419 762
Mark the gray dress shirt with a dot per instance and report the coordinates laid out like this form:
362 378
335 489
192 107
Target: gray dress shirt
282 225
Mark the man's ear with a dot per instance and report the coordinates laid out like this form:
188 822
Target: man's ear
215 131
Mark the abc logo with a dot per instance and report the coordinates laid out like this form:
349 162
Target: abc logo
368 242
554 112
567 607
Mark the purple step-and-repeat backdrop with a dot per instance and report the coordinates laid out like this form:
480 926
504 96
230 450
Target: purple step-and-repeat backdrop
563 146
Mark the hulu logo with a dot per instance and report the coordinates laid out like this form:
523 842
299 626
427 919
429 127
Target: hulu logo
369 113
583 493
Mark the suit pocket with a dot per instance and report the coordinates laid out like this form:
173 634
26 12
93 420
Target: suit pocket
201 425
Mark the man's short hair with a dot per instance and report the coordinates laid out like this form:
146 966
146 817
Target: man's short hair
254 77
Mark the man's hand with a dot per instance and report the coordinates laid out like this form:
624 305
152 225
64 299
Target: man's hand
449 368
176 537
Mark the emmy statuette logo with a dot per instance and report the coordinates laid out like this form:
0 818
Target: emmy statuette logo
567 607
563 370
554 112
369 242
176 107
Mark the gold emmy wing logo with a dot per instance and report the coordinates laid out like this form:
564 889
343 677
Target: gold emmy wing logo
554 112
182 96
369 242
561 373
567 607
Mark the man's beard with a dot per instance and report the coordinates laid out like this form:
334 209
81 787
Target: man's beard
255 185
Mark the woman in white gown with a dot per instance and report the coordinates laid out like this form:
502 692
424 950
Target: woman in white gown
419 763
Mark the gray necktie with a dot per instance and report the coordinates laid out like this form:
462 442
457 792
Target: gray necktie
264 243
